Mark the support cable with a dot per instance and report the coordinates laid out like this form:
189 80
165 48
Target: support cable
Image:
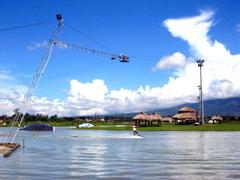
90 38
22 26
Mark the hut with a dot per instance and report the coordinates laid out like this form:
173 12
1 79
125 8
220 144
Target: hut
215 120
155 117
186 115
139 118
167 119
1 122
147 119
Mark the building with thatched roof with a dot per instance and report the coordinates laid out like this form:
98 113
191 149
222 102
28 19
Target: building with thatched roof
187 110
215 120
155 117
186 115
147 119
167 119
139 118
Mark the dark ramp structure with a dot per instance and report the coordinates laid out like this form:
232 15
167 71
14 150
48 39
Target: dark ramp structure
38 127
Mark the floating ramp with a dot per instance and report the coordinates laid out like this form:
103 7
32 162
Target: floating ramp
38 127
8 148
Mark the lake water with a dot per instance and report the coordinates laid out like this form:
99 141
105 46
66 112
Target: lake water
75 154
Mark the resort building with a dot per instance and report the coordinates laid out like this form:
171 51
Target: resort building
141 117
215 120
186 115
167 119
147 120
155 117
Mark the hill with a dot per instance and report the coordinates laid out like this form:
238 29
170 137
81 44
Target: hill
223 107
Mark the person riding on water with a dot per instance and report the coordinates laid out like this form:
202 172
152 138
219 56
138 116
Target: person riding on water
135 132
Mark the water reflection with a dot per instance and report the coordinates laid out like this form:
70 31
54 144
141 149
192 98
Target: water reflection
73 154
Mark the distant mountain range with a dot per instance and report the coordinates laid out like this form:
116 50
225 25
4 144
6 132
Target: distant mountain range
223 107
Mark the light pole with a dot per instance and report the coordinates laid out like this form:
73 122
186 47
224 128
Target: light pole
200 64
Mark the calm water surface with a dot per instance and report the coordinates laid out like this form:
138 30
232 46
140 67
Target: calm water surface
74 154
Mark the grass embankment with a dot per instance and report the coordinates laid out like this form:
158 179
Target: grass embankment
170 127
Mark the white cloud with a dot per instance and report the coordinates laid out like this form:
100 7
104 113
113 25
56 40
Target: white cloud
5 76
93 97
9 101
175 61
193 30
238 27
221 69
9 83
47 107
36 45
94 91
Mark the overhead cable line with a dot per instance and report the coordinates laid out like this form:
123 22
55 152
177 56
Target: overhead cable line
22 26
101 44
89 37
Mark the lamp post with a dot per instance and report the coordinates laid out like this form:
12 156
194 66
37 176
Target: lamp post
200 64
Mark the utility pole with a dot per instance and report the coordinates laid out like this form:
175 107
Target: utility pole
200 64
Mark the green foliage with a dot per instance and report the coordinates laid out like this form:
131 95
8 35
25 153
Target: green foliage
231 123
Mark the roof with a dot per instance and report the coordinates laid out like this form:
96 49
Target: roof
141 116
167 119
187 109
155 116
186 116
216 117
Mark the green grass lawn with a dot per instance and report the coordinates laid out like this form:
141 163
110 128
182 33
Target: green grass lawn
126 126
171 127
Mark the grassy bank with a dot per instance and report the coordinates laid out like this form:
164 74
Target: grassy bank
171 127
126 126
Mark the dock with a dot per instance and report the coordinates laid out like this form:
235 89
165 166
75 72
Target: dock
8 148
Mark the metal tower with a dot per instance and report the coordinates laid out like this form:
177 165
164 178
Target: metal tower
200 64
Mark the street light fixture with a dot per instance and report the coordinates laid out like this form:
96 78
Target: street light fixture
200 64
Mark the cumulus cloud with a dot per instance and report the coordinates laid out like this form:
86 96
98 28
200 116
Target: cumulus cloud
82 100
9 101
193 30
175 61
94 91
221 68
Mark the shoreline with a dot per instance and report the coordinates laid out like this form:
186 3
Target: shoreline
123 126
172 127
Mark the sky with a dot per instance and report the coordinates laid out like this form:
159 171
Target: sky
163 39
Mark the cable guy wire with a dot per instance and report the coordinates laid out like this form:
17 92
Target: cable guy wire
22 26
89 37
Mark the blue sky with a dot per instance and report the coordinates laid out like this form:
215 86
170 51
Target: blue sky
135 28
